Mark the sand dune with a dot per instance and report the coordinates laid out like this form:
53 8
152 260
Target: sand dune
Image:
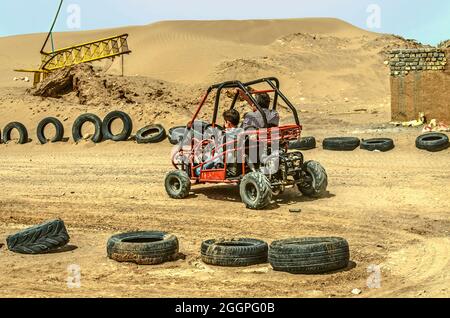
179 50
325 65
319 60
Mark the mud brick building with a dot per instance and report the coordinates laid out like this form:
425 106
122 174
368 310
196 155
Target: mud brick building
420 82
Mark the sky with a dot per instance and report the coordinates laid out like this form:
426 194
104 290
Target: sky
427 21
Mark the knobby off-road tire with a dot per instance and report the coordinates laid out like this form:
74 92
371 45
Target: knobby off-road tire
58 127
380 144
177 184
23 133
432 142
309 255
143 248
150 134
40 238
78 124
127 126
234 252
341 143
318 185
305 143
255 191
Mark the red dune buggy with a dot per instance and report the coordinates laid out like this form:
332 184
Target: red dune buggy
255 159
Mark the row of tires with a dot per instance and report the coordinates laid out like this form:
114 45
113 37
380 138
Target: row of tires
297 255
430 141
157 133
103 131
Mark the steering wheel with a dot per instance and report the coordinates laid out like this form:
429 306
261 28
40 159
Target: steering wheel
209 132
199 149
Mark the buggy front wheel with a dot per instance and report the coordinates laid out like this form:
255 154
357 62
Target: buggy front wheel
255 191
316 180
177 184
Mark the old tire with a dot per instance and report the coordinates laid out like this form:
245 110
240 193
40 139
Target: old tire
176 134
341 143
81 120
432 142
23 133
59 135
255 191
143 248
305 143
377 144
316 186
234 252
309 255
150 134
127 126
40 238
177 184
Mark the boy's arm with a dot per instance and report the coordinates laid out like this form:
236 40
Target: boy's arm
245 97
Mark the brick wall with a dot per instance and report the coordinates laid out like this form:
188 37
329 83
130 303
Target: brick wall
420 82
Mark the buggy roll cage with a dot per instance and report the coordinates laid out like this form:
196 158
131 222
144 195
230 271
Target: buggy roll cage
289 131
273 82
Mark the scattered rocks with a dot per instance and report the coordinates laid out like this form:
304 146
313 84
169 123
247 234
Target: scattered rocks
24 79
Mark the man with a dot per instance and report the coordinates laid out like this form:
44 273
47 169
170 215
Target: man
255 118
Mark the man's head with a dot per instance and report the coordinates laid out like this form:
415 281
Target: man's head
263 100
232 118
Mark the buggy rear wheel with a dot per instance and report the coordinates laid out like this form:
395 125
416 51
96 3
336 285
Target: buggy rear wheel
255 191
316 182
177 184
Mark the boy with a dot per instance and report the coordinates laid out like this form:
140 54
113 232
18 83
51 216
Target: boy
231 121
255 119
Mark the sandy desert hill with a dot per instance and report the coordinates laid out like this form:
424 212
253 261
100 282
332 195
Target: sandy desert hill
325 65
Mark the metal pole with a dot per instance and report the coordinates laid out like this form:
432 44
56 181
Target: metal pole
53 45
51 29
122 64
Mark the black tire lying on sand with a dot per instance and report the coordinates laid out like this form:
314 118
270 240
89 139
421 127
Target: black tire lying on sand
143 248
176 134
234 252
59 135
377 144
127 126
23 133
309 255
39 239
341 143
432 142
81 120
305 143
150 134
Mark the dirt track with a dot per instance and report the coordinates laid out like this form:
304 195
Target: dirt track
392 207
